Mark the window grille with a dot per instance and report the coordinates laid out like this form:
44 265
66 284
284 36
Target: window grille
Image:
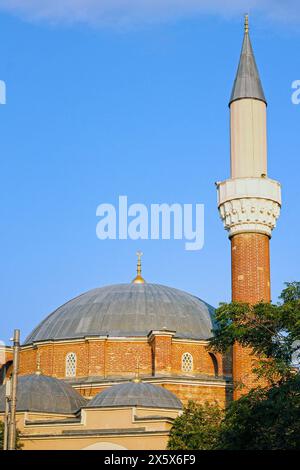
71 361
187 362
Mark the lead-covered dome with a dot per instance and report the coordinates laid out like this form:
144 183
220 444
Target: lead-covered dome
136 394
44 394
128 310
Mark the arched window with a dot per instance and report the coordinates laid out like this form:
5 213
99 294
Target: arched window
71 362
215 364
187 362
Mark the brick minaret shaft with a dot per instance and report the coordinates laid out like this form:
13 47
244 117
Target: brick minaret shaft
250 277
249 202
250 268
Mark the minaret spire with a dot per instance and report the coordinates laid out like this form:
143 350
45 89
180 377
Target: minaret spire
247 82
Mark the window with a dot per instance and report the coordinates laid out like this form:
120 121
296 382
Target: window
71 361
187 362
215 364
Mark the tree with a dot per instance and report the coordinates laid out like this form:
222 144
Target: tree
271 330
263 419
266 417
196 428
1 435
18 443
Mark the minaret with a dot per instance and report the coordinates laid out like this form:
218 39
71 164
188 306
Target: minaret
249 202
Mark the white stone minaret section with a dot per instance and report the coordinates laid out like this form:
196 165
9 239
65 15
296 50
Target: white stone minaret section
249 201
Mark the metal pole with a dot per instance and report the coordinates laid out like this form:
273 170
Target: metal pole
12 423
6 417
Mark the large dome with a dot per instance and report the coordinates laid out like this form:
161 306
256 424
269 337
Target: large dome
127 310
45 394
136 394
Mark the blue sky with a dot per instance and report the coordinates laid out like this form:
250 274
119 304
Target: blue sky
99 108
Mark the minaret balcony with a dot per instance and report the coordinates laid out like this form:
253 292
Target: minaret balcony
249 204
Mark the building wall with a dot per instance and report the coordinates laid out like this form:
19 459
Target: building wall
250 284
149 441
107 361
113 428
202 358
200 393
250 254
121 358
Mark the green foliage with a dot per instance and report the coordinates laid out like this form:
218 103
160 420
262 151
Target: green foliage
18 444
1 435
269 329
291 293
197 427
264 419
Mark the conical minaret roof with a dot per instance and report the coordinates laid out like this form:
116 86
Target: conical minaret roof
247 82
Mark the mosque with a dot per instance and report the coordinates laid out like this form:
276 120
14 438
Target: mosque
112 368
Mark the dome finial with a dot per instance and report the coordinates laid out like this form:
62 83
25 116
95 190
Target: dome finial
137 372
38 364
246 23
139 279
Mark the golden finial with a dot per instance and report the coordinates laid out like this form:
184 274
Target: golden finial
139 279
38 364
137 372
246 23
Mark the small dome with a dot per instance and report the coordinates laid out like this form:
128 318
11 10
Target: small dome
136 394
128 310
41 393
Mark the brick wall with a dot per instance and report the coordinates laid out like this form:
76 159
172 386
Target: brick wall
250 284
128 358
94 358
185 392
250 258
121 358
202 360
161 354
112 358
199 393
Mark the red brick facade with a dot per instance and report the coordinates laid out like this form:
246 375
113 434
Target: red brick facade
250 258
158 359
